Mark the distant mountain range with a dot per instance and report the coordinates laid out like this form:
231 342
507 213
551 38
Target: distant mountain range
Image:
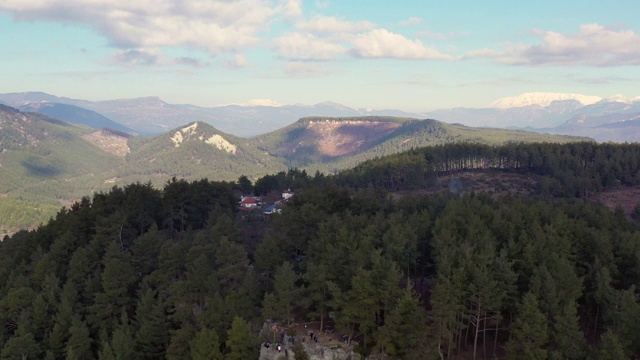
558 113
152 116
75 114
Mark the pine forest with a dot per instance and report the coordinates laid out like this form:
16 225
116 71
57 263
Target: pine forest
371 259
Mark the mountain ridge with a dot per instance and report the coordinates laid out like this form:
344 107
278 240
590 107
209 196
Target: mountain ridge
152 116
75 114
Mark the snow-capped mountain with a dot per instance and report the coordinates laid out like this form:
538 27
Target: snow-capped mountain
618 98
541 99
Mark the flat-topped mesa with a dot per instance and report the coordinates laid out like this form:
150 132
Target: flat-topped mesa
342 137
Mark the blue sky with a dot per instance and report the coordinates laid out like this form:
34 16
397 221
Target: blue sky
411 55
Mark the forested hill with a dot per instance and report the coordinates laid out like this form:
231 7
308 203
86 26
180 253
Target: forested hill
44 161
180 272
331 144
195 151
568 170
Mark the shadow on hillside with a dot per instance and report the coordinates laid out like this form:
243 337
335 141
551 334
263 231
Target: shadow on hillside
40 167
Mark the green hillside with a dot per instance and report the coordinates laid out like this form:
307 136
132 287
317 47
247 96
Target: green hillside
44 163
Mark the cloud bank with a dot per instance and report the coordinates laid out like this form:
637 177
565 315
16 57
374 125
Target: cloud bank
135 27
592 45
324 38
142 31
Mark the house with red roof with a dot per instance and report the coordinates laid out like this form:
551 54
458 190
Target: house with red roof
249 202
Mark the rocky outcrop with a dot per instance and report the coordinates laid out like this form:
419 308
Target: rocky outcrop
320 350
315 352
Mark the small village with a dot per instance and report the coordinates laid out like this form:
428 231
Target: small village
267 205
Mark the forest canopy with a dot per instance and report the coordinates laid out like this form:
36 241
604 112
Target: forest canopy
146 273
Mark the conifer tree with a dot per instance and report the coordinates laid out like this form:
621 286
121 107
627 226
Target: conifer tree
105 352
405 332
118 279
361 304
241 344
179 347
528 335
281 303
122 341
57 340
609 348
21 346
79 343
152 337
205 346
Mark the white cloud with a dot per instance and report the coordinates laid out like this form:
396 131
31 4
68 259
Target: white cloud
216 26
593 45
412 21
434 35
137 57
291 8
239 61
190 61
483 53
152 57
305 69
307 47
320 24
381 43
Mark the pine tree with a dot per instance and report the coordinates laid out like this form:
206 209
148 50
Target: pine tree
405 331
118 279
57 340
361 304
318 296
21 346
122 341
206 346
528 336
179 347
106 353
280 304
79 344
241 344
152 336
609 348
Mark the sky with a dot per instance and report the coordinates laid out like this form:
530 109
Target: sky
412 55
